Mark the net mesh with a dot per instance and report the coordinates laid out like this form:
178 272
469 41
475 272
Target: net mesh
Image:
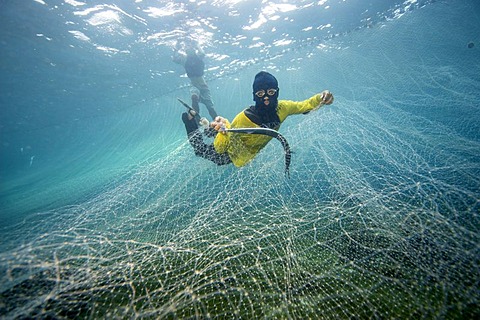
384 229
380 218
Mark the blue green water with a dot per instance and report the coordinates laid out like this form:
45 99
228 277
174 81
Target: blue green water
106 212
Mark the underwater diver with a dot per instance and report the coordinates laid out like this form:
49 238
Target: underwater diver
190 55
268 112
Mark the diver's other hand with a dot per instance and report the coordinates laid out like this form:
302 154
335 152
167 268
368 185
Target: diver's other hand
191 114
218 124
327 97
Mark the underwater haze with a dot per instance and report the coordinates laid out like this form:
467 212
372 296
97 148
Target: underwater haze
106 212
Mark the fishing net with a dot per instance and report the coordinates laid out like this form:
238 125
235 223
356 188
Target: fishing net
373 222
379 218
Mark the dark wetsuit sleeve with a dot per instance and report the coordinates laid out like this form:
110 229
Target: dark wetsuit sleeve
202 149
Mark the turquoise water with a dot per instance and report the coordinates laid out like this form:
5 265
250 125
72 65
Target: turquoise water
106 212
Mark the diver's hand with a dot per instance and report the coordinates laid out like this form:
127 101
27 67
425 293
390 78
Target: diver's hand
218 124
327 97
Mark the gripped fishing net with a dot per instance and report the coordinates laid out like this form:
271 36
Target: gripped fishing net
379 218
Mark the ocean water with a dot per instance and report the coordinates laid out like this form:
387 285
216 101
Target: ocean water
107 213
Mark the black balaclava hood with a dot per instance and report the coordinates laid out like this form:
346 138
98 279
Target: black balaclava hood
265 116
264 81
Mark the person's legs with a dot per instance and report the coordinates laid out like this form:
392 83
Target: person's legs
200 148
205 95
211 110
195 93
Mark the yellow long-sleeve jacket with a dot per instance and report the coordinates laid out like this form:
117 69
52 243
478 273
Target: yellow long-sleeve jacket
242 148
